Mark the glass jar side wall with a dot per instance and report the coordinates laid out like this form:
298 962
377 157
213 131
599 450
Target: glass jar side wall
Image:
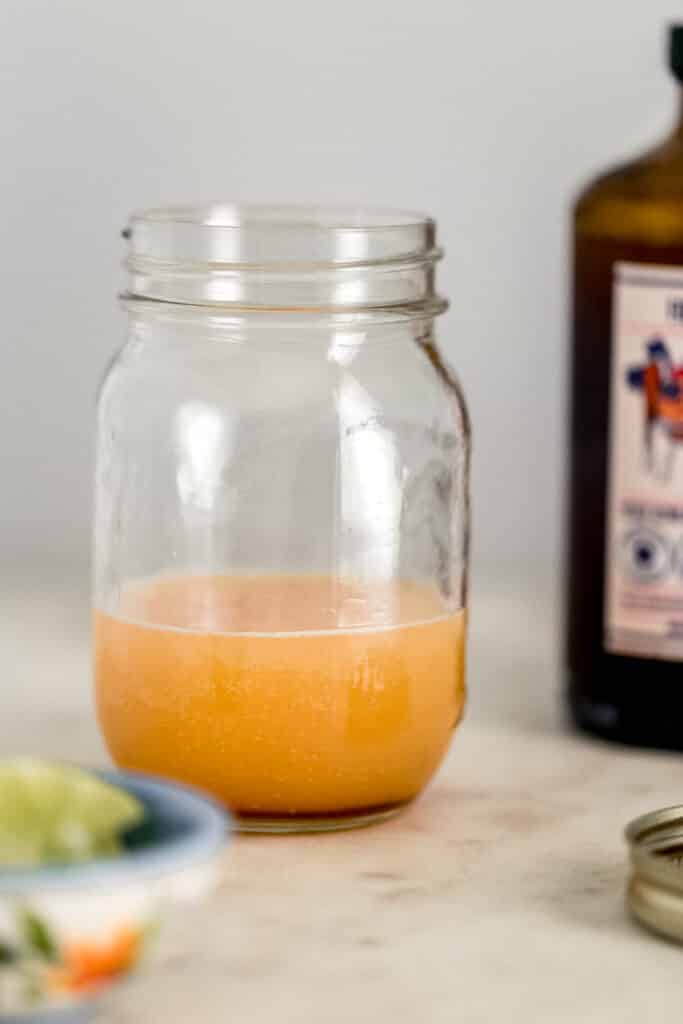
281 550
255 447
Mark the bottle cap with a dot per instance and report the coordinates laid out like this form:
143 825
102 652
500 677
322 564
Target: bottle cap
676 51
655 890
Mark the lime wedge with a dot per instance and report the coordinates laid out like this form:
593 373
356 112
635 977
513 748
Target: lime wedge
52 812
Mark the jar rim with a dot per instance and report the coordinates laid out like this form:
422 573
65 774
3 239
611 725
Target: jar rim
286 216
282 256
234 214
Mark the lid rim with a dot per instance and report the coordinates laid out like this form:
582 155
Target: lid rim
645 824
655 890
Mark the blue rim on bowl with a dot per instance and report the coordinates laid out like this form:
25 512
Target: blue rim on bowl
182 827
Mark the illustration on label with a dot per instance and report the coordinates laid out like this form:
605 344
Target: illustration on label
660 382
644 550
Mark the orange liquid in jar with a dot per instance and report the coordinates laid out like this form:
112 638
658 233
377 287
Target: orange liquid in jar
251 689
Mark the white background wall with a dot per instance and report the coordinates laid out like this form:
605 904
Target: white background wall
489 116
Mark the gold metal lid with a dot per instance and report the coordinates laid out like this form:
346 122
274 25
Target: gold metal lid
655 890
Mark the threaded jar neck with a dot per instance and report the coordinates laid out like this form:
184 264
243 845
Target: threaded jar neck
284 258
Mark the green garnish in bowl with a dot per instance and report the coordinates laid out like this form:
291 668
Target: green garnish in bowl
55 813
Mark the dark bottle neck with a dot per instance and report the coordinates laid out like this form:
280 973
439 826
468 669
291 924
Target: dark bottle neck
677 133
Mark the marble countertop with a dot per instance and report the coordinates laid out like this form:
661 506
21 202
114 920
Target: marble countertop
497 896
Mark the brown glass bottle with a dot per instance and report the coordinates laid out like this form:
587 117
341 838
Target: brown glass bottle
627 688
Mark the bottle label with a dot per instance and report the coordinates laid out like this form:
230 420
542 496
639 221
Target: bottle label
644 537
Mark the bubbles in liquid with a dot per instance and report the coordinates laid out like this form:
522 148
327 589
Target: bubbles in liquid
282 694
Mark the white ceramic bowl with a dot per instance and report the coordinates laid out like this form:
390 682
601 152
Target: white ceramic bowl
68 933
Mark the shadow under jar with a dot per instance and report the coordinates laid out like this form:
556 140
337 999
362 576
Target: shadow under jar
282 514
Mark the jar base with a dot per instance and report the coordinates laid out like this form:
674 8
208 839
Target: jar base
272 824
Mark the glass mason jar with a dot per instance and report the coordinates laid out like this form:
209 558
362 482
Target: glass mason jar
282 514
